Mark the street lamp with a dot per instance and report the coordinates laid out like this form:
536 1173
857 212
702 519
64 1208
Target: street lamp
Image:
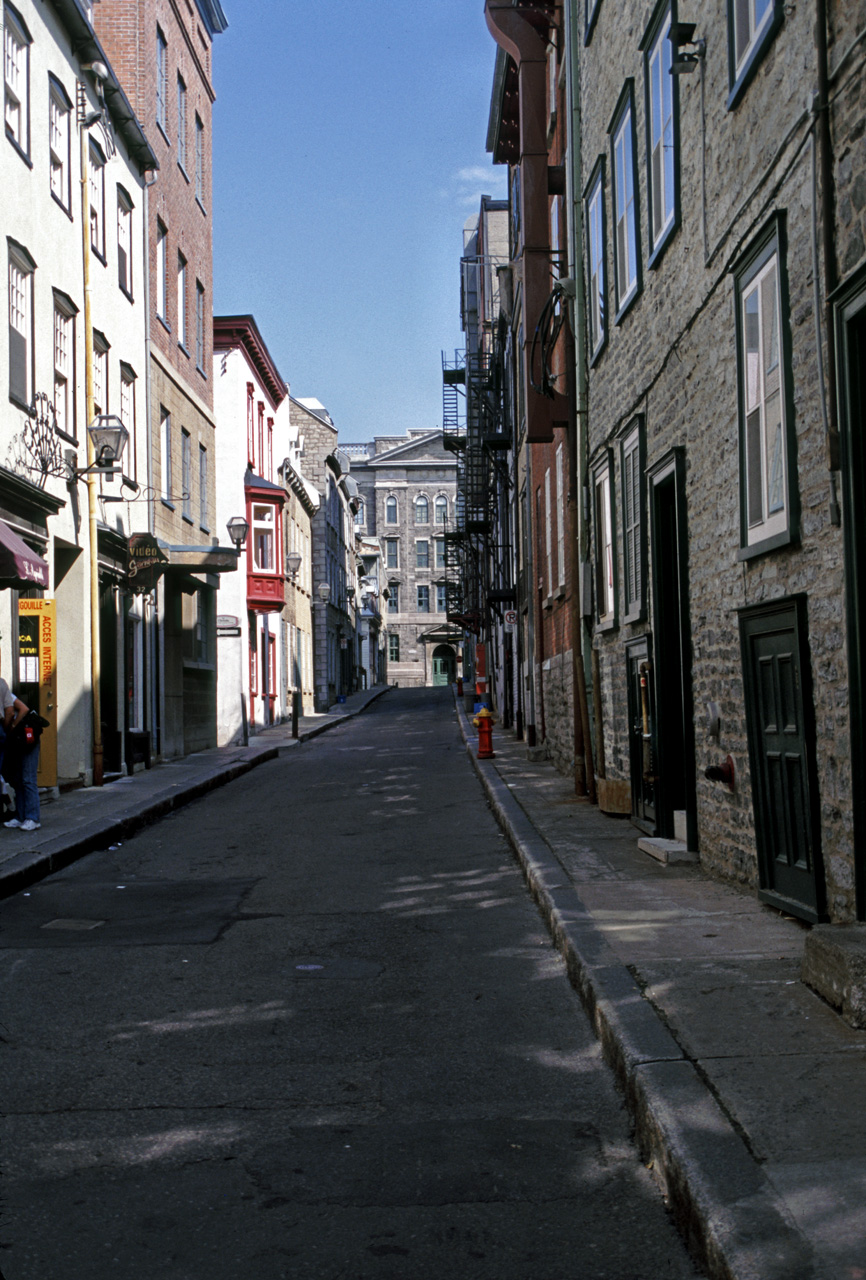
293 563
323 591
238 528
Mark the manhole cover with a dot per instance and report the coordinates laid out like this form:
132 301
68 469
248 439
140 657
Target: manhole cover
73 925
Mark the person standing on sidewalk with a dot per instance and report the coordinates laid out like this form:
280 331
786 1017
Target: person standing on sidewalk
21 763
7 713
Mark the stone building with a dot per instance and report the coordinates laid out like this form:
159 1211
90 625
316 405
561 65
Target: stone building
163 55
407 494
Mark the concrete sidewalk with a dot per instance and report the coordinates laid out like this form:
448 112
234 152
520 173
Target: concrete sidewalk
90 818
748 1091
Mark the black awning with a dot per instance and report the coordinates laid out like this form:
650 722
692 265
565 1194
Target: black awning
19 566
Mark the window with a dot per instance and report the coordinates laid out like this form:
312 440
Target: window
548 532
202 487
752 24
186 472
662 133
360 516
161 270
251 430
199 326
59 142
64 366
181 301
97 200
595 252
422 555
605 584
391 553
165 443
626 250
261 421
391 511
199 160
181 123
393 598
393 648
441 509
161 81
422 510
127 417
16 71
101 348
440 553
124 242
560 519
423 598
766 440
633 549
441 602
263 538
270 471
194 610
592 8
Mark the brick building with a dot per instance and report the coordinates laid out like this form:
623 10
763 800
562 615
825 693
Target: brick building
163 54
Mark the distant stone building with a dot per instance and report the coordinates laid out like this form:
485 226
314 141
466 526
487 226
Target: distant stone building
407 492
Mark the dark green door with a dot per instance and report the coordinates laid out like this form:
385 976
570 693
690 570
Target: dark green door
779 717
642 752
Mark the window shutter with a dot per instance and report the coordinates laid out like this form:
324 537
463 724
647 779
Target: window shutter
17 366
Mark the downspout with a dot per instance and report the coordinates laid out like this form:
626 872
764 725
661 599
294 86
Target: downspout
828 245
153 627
580 643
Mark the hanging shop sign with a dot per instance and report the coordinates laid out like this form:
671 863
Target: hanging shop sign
145 561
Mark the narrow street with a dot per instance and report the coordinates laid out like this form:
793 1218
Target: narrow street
312 1026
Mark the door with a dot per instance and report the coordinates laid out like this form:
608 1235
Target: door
444 665
37 676
674 788
780 722
642 746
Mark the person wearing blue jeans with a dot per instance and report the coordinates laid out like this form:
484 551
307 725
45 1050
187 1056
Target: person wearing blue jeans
20 766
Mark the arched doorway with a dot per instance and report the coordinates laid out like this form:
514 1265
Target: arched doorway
444 665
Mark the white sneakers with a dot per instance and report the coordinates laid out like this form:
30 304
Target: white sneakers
13 822
28 825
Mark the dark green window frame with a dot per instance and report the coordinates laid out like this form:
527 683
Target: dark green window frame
631 292
739 81
659 238
770 243
633 503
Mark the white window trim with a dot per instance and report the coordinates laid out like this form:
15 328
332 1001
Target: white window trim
658 70
161 272
548 534
771 523
59 144
605 576
560 518
756 32
182 265
596 247
627 272
166 459
268 524
16 80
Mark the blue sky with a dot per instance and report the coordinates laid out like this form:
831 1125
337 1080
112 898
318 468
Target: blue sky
349 149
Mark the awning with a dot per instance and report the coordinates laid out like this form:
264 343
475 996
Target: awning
207 558
19 566
441 635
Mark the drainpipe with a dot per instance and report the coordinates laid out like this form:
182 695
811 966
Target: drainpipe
92 496
828 243
581 644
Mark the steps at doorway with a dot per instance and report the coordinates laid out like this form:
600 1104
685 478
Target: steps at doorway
667 851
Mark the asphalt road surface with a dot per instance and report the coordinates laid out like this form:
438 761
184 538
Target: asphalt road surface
312 1026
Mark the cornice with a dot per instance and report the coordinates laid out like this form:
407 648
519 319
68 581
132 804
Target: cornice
243 332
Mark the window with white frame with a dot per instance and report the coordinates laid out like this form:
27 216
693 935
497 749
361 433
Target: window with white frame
59 143
441 509
100 373
560 518
751 26
161 272
632 522
165 447
127 417
393 648
263 522
422 554
764 428
16 72
441 598
124 242
391 510
199 327
661 128
423 598
186 472
626 256
199 159
422 510
605 582
202 488
181 301
161 81
64 373
97 200
595 253
181 122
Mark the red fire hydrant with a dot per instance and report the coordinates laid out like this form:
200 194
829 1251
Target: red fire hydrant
484 723
459 686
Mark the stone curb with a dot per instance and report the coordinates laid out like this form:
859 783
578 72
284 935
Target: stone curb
731 1218
59 851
